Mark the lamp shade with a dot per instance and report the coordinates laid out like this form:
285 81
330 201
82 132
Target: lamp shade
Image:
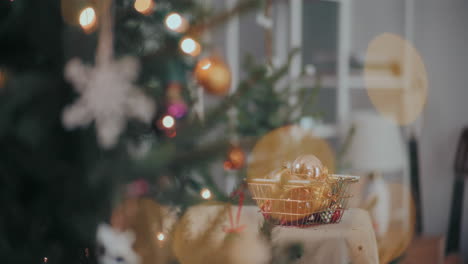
377 144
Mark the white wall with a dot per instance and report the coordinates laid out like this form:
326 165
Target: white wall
441 36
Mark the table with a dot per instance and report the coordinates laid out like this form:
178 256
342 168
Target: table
350 241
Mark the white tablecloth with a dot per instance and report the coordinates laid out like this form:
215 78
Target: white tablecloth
350 241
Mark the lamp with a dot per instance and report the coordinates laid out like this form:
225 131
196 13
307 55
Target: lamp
377 145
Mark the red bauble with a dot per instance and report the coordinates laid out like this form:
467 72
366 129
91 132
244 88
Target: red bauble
235 159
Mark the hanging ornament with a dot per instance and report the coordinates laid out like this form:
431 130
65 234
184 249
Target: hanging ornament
213 75
144 7
176 105
175 22
235 159
107 93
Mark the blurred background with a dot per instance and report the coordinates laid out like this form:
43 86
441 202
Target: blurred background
390 100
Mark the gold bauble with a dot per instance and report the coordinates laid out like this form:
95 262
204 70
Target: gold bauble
284 145
213 75
296 203
308 167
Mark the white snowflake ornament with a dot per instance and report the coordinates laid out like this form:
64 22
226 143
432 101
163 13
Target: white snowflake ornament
116 247
108 95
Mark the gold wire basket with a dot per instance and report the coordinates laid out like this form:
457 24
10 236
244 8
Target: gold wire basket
302 203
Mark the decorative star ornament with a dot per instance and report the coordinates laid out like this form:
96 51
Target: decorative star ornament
108 95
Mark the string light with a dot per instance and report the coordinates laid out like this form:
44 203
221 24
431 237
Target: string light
168 122
205 193
46 259
87 19
144 6
160 236
175 22
190 46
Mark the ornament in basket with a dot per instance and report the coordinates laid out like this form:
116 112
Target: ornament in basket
302 193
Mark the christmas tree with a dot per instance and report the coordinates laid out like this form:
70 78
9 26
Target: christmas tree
101 101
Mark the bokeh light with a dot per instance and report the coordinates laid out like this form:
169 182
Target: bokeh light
160 236
88 19
190 46
395 78
205 193
144 6
145 218
283 145
168 121
176 22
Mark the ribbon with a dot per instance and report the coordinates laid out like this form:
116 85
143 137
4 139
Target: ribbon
234 226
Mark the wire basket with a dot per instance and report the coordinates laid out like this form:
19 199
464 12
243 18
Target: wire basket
302 203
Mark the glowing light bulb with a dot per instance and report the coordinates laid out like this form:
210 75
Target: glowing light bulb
46 259
175 22
190 46
205 193
160 236
88 19
144 6
168 121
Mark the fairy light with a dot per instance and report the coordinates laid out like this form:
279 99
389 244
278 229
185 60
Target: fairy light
168 122
190 46
175 22
160 236
45 260
205 193
87 18
144 6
